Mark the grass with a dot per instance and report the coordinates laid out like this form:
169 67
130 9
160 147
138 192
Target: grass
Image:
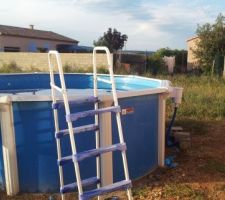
203 97
222 188
214 166
182 191
141 192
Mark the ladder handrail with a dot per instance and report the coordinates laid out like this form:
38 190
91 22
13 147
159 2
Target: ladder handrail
115 100
67 109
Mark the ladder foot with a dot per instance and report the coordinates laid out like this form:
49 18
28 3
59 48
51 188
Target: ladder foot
122 185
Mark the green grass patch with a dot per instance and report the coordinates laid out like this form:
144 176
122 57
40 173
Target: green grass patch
203 97
182 191
141 192
214 166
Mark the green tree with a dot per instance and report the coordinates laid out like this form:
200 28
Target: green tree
155 63
211 42
112 39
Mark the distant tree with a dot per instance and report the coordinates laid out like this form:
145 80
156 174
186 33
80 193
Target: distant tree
211 42
180 59
112 39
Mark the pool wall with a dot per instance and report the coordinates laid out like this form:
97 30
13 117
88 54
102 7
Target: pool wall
28 157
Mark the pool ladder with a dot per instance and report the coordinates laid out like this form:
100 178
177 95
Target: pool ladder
76 158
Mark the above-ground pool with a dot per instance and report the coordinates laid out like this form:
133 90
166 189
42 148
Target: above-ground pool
28 157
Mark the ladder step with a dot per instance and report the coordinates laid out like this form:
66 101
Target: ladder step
76 116
91 153
122 185
60 103
72 186
64 160
96 152
79 129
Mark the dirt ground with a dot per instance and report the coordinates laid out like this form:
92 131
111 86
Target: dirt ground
200 173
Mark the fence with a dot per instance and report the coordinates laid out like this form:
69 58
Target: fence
39 61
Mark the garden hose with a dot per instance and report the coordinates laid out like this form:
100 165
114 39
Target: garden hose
170 140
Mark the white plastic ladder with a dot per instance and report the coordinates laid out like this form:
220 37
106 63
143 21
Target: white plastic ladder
71 117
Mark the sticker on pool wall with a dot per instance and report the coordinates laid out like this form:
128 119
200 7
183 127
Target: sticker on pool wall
126 111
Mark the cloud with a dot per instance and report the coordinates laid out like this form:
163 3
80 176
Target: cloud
149 24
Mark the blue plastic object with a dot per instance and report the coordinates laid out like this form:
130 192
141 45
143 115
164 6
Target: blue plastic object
76 116
122 185
96 152
170 140
169 162
79 129
91 153
72 186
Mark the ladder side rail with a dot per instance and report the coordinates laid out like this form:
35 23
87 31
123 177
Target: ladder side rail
97 133
70 126
56 122
118 117
51 69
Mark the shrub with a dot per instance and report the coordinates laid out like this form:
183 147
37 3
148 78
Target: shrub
155 64
69 69
10 68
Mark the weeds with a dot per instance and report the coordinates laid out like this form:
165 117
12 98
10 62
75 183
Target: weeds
69 69
214 166
141 192
203 97
10 68
182 191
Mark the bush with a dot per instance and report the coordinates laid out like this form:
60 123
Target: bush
155 64
69 69
10 68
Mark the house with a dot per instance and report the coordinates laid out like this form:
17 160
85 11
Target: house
192 62
17 39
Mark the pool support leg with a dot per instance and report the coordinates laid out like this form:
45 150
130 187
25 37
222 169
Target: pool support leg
9 149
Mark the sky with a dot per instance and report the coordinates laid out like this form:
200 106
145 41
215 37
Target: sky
149 24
